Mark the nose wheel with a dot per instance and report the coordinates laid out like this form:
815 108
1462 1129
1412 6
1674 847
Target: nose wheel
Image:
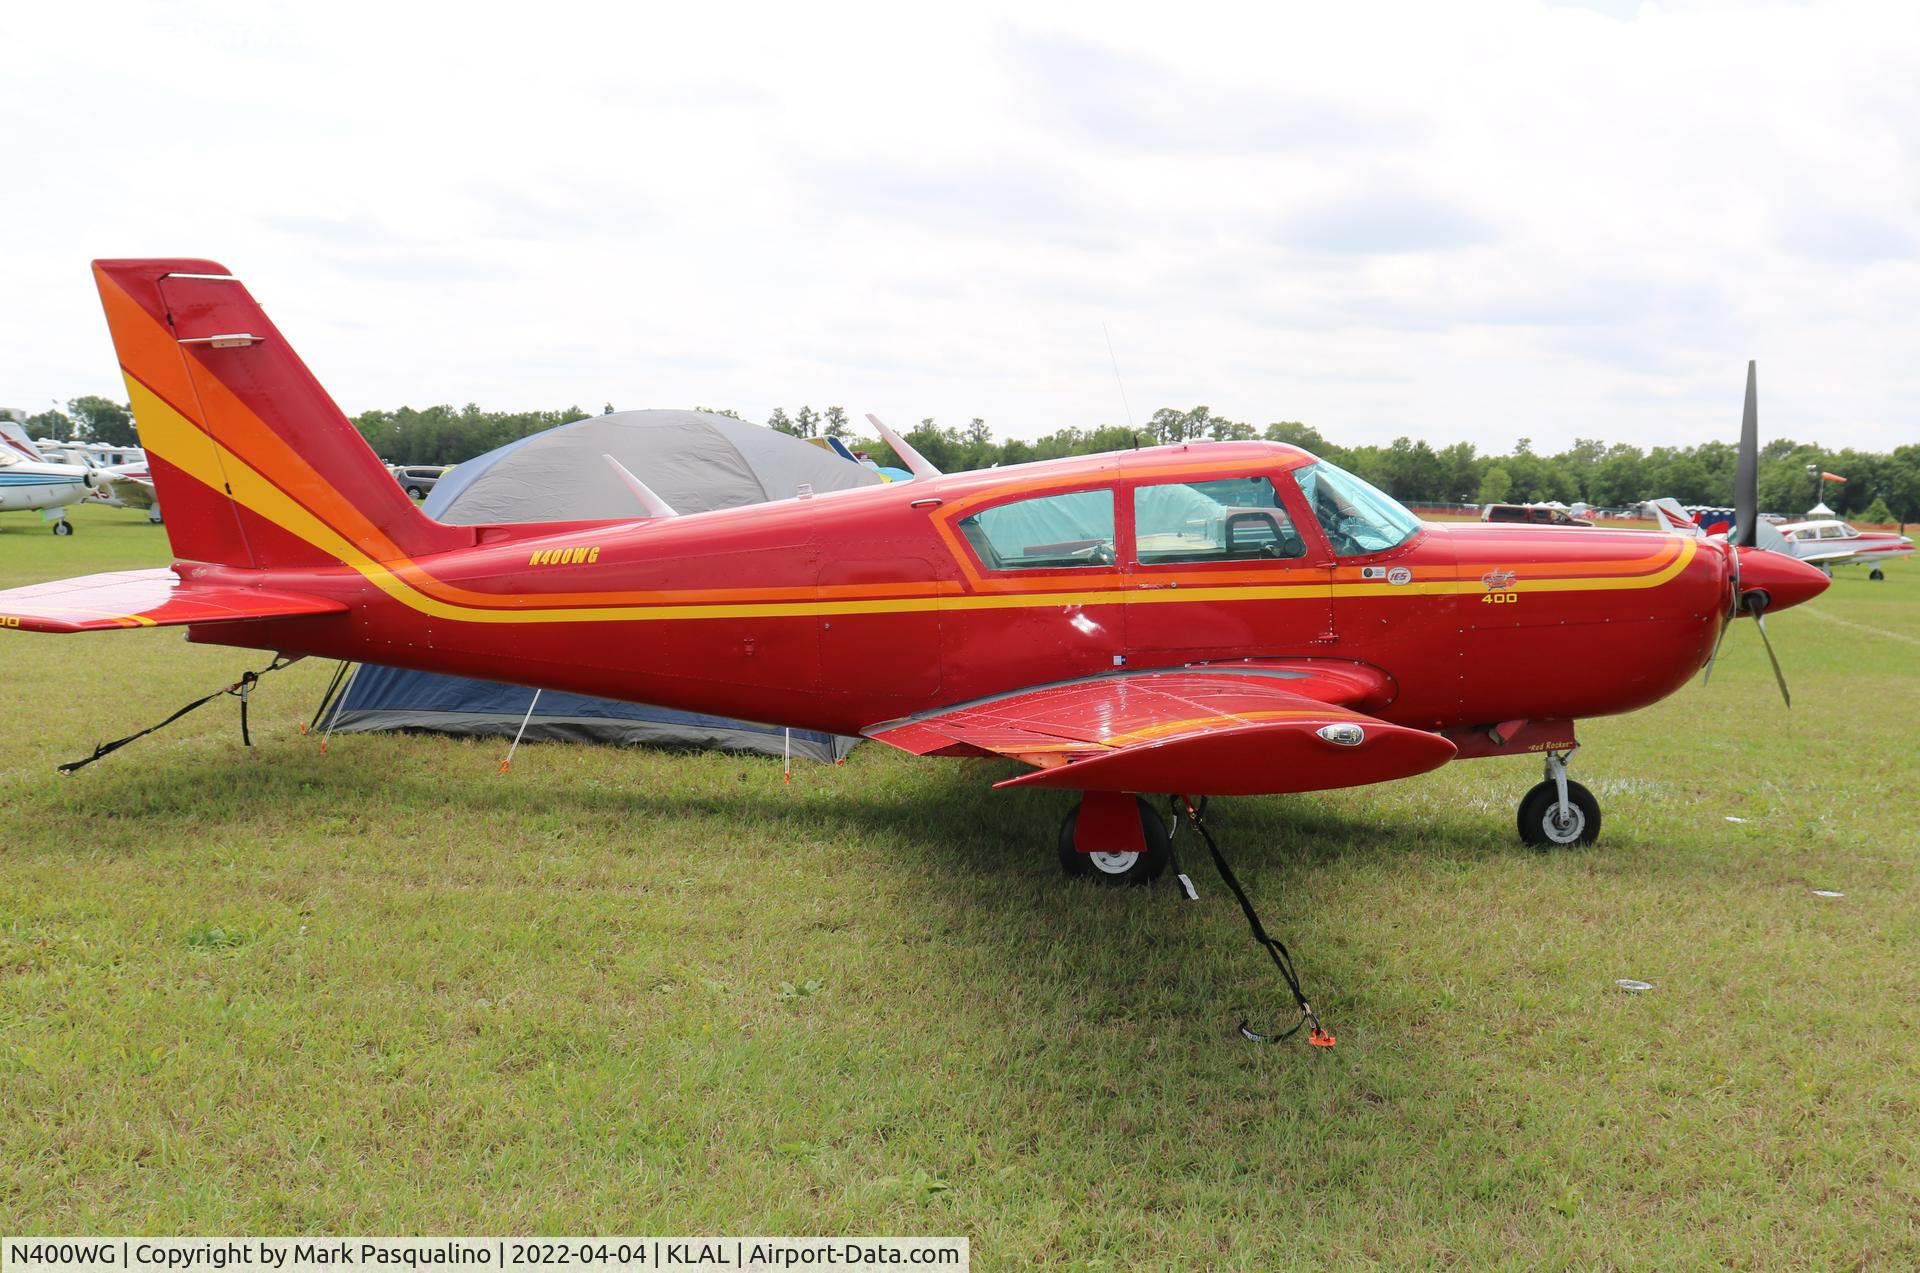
1559 812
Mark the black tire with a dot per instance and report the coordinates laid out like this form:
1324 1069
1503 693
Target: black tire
63 527
1876 574
1539 817
1118 868
415 492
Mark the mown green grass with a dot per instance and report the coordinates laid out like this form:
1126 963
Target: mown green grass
390 990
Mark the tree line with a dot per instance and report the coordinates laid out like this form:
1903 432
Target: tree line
1879 486
86 419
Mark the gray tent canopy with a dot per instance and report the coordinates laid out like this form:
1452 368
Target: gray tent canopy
696 461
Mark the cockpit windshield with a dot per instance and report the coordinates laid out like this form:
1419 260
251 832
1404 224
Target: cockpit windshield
1358 519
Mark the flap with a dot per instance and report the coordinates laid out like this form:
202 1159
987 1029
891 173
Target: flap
1241 729
147 599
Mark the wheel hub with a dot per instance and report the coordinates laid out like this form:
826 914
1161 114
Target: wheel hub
1113 863
1564 827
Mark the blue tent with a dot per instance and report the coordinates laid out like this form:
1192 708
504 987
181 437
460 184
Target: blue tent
696 461
395 698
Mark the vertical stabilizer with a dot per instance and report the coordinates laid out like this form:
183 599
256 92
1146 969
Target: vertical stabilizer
254 463
14 439
1675 519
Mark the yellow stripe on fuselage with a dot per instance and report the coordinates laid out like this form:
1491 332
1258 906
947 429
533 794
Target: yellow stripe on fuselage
184 445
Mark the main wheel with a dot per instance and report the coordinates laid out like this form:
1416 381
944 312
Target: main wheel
1118 868
63 527
1542 826
1876 574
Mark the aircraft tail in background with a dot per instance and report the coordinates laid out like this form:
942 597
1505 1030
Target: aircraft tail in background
1676 519
13 438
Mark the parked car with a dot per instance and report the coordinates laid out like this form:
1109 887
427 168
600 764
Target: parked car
417 479
1532 514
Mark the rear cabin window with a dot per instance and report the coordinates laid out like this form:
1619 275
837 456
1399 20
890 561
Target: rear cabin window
1048 533
1232 519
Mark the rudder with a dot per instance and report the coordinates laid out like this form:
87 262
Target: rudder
1674 519
252 459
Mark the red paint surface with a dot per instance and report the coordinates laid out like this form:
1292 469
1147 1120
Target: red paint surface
849 610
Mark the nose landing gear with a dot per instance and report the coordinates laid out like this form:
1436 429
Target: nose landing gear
1559 812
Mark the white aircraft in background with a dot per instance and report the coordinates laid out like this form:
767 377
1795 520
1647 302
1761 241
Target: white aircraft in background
1825 543
30 482
1829 543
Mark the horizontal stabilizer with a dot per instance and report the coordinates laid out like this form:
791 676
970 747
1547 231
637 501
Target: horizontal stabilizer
148 599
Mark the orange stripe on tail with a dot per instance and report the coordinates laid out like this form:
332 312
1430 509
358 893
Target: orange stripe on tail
217 378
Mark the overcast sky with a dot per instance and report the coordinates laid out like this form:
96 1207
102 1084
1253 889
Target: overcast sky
1449 221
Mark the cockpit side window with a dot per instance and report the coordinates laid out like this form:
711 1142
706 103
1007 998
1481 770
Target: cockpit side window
1223 519
1358 519
1048 533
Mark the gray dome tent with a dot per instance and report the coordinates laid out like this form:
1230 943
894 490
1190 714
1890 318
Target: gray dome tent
694 460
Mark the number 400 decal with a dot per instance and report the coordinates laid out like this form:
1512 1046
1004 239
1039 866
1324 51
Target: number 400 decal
1500 599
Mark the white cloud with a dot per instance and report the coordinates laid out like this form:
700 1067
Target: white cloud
1511 219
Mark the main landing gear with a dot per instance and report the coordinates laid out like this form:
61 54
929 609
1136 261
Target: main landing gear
1118 839
1876 574
1559 812
1115 857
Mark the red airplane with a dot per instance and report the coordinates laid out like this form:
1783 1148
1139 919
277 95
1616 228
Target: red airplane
1213 619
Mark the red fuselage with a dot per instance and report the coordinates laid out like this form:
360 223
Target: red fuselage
844 610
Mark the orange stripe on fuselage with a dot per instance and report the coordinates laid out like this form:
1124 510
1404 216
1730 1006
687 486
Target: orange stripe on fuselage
247 439
253 441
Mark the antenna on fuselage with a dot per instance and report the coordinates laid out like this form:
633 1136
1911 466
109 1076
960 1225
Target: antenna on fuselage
916 463
655 506
1125 406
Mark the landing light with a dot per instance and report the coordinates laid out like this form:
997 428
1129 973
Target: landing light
1343 735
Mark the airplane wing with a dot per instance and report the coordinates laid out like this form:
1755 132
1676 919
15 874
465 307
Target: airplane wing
138 473
147 599
1240 729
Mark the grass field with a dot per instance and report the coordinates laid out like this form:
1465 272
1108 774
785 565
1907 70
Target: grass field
390 990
